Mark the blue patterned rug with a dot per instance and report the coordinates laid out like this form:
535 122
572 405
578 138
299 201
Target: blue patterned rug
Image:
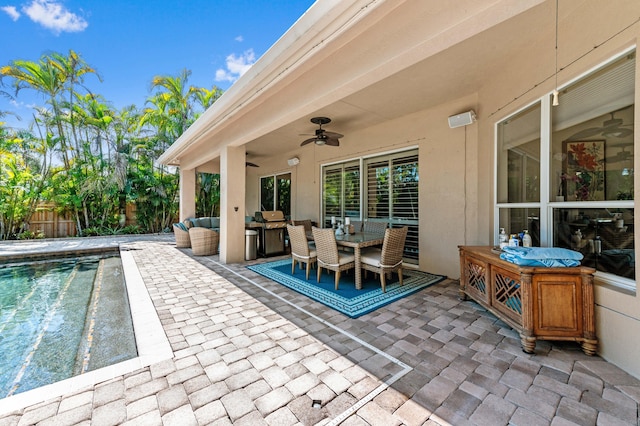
347 299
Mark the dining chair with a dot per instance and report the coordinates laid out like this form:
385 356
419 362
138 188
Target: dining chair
328 255
300 251
387 259
308 224
374 227
357 225
304 222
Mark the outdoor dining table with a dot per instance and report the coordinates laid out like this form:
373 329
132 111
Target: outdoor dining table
357 241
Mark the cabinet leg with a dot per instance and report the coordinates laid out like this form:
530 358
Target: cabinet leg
462 295
528 344
589 347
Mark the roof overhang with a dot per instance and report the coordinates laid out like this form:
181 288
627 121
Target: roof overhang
343 58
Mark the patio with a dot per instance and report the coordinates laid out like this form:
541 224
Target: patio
248 351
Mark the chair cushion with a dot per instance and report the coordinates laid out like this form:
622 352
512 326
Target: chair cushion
181 226
312 254
204 222
215 222
371 256
190 222
346 258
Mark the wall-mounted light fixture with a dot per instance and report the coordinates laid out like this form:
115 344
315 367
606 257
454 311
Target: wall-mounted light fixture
293 161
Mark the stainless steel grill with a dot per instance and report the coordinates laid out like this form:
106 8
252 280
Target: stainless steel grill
271 240
271 219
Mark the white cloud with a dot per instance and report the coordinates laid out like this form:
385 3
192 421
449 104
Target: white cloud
236 66
11 11
239 38
54 16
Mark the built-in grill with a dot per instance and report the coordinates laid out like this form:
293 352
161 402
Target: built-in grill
271 233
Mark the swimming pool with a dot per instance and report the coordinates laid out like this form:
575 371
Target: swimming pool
62 318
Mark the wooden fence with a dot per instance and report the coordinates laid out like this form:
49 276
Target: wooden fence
51 223
55 225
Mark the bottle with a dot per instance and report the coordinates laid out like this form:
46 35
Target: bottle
526 239
598 245
513 240
503 238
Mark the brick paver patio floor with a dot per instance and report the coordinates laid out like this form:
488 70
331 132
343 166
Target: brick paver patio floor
248 351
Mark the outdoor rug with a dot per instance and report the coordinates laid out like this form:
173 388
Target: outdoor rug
347 299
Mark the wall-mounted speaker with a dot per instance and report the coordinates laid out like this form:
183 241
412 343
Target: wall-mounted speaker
462 119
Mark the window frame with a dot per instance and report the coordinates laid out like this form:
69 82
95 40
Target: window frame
276 195
363 162
546 205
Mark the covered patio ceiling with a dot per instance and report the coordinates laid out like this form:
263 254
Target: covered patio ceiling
399 58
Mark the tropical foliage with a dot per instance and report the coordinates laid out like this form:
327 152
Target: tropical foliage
91 159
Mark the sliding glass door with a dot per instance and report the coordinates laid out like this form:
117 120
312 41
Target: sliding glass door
381 189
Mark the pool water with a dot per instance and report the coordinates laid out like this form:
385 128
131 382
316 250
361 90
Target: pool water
61 318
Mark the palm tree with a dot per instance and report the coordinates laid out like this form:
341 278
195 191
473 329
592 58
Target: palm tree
206 97
173 109
74 69
51 75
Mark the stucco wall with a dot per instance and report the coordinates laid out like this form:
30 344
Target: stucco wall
457 165
447 158
617 312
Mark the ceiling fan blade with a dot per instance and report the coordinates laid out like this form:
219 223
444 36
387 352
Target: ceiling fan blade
618 132
333 135
332 142
307 141
620 156
586 133
250 164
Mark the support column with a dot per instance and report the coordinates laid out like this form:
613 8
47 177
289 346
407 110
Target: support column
232 204
187 193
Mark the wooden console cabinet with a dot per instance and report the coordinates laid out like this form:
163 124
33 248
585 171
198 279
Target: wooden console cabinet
540 303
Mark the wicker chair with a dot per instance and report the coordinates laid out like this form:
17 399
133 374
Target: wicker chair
305 222
328 256
389 258
204 241
181 233
374 227
300 250
357 225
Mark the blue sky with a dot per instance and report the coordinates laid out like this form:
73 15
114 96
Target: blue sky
130 41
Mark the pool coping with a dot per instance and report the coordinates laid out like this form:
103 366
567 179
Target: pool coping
151 342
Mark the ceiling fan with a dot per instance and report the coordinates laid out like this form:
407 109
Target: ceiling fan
610 128
249 163
323 137
622 155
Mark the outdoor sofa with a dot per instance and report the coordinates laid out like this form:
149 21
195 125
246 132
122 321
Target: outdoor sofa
201 234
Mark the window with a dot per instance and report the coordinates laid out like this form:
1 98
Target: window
275 193
341 191
585 200
390 193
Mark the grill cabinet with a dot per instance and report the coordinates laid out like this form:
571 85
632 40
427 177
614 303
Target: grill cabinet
271 237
